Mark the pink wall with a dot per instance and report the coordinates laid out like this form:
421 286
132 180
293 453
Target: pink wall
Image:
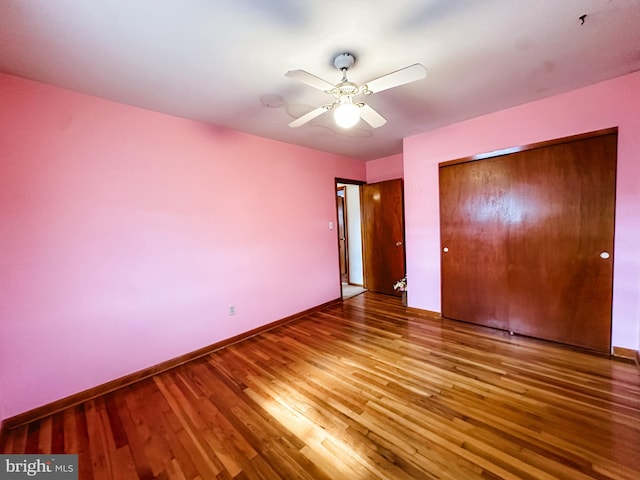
386 168
127 234
608 104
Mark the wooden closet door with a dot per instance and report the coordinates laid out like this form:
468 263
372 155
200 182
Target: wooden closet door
383 235
474 223
526 234
562 219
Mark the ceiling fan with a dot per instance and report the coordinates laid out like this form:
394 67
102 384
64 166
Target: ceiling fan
347 111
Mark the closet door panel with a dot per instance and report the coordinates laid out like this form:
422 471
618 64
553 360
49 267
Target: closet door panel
474 222
562 219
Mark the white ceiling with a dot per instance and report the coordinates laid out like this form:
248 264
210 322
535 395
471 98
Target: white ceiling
223 61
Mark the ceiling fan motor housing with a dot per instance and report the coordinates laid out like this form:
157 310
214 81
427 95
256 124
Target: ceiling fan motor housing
347 88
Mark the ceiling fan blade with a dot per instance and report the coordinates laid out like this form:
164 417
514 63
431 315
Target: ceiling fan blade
309 79
310 116
399 77
372 117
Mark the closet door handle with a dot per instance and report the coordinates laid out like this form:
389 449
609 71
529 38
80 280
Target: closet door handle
605 255
398 244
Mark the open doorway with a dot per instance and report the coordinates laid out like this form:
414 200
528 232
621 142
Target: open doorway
349 232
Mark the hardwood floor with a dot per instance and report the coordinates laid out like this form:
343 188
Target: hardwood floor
361 390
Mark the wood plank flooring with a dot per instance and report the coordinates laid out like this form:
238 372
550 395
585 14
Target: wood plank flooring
362 390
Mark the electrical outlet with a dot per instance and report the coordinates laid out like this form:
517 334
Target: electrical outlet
232 310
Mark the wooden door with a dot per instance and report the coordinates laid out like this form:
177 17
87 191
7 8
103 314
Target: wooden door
562 210
342 234
525 233
383 235
474 206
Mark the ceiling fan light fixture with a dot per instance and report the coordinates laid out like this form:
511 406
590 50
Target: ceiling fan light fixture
347 113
